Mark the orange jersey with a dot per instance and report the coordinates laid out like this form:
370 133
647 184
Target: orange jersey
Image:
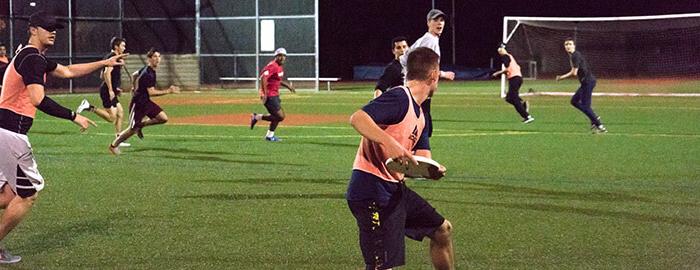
513 68
371 156
14 96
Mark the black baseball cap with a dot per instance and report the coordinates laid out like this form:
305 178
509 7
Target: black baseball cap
44 20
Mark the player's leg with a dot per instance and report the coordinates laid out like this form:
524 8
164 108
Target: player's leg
274 107
380 229
135 116
513 96
423 220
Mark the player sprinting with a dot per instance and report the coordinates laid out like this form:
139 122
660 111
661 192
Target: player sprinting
393 75
386 210
23 93
270 81
582 98
515 80
110 90
141 104
431 40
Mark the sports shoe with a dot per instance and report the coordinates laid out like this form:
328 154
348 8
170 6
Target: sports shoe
598 129
84 105
526 104
138 128
114 150
7 258
528 120
253 121
273 139
122 144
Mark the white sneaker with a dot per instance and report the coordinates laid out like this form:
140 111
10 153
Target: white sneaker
114 150
528 119
84 105
122 144
7 258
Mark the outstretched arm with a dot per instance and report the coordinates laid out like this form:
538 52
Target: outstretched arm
50 107
79 70
152 91
288 86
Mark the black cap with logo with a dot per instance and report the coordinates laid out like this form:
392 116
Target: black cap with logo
44 20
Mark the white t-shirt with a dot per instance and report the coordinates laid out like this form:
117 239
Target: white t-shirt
429 41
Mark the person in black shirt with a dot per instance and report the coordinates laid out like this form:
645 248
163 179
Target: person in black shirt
4 62
110 90
141 104
582 98
393 75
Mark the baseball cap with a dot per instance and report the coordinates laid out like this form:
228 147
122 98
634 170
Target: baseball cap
280 51
434 13
44 20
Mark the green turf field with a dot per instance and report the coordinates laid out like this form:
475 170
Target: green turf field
548 195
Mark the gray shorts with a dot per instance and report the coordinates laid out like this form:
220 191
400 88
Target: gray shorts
17 165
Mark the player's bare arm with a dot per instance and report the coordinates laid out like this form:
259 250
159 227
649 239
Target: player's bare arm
289 86
447 75
364 125
37 95
263 88
107 77
152 91
79 70
572 72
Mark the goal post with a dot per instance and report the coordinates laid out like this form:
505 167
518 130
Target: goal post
632 47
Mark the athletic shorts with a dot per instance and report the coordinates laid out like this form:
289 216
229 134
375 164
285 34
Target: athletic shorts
383 225
104 95
273 104
17 165
138 110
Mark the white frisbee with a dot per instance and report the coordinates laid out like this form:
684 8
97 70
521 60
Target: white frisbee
426 168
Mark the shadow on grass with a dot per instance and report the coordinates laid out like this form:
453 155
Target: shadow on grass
219 159
274 196
44 132
692 222
595 196
188 151
62 235
348 145
333 181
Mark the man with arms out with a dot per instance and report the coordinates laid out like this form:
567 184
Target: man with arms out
141 104
431 40
110 90
270 81
386 210
515 80
582 98
23 93
392 75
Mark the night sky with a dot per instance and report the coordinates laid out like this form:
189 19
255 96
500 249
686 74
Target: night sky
359 32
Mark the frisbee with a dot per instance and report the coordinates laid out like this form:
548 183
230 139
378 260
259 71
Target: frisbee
426 168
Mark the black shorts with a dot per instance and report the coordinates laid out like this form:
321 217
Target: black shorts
138 110
104 95
383 225
273 104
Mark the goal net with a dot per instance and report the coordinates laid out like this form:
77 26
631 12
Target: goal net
628 48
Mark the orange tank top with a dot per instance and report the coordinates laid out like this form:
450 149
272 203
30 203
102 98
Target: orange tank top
513 68
371 156
15 96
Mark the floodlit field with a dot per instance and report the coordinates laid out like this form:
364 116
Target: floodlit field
548 195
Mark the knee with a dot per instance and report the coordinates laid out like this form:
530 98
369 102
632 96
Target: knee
574 103
280 117
510 99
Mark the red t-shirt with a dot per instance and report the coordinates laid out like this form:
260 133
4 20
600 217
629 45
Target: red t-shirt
272 75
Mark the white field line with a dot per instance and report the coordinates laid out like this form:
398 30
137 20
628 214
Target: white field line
616 94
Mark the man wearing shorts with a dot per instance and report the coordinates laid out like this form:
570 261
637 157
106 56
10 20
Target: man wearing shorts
110 90
386 210
23 93
141 104
270 81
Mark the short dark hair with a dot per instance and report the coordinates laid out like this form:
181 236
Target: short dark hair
421 62
397 39
2 44
116 41
151 52
570 39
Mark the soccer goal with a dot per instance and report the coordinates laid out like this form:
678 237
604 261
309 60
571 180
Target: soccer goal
629 49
